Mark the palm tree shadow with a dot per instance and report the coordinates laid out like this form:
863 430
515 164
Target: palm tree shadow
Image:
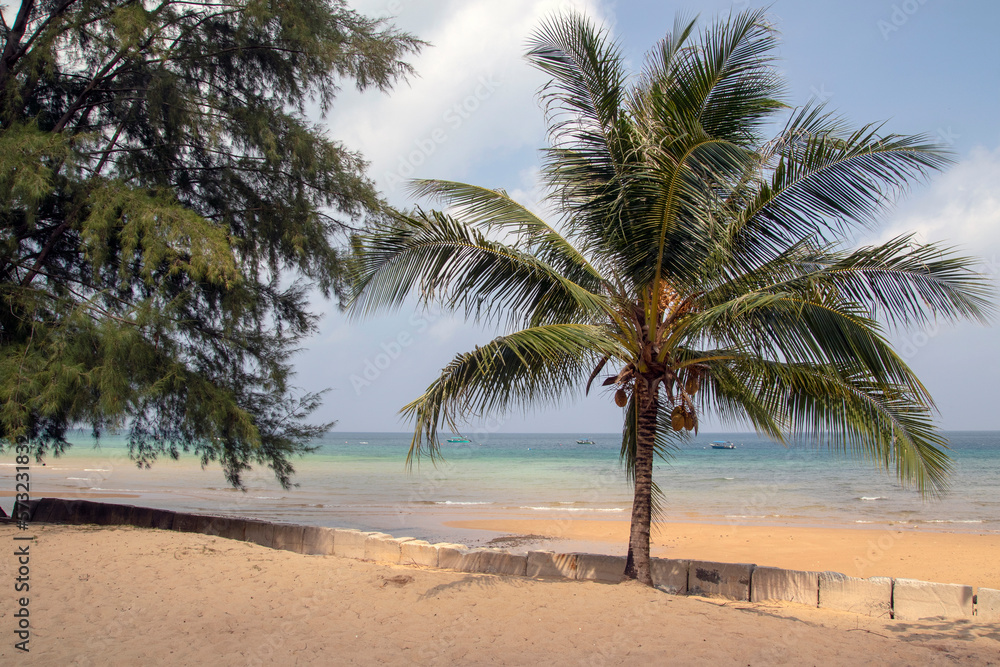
472 581
945 629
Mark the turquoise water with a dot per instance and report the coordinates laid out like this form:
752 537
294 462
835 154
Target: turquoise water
359 480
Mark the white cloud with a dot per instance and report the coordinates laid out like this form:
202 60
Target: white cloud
474 96
961 207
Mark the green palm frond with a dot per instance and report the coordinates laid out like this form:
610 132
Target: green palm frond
726 83
822 179
792 327
494 210
528 368
436 257
850 411
908 283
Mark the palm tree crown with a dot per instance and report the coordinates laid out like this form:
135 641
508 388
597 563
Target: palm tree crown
697 266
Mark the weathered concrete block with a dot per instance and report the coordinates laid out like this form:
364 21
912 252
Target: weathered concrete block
349 543
140 517
722 580
43 511
112 514
288 537
451 556
317 541
24 511
259 532
773 583
600 567
497 562
913 599
869 597
988 604
486 561
224 526
187 523
384 548
162 519
58 510
83 511
418 552
670 575
549 564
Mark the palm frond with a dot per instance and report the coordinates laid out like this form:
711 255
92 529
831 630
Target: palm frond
909 283
494 210
847 410
436 257
525 369
807 329
821 180
726 83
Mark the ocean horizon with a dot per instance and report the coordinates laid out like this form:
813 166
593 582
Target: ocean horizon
359 480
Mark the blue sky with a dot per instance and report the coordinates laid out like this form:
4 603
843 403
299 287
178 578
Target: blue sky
922 66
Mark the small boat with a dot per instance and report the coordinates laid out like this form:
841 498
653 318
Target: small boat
584 442
459 440
722 444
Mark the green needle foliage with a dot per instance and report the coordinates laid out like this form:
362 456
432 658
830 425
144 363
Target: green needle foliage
166 206
698 266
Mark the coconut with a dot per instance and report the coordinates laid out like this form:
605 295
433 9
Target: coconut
621 398
677 418
692 385
688 421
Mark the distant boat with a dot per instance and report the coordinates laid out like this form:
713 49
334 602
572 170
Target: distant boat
722 444
459 440
584 442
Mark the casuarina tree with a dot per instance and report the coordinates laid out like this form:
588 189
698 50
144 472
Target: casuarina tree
166 207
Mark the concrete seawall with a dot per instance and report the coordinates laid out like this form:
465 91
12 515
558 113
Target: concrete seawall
905 599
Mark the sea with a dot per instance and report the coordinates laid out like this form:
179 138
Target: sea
360 480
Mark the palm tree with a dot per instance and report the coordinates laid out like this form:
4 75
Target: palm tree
696 267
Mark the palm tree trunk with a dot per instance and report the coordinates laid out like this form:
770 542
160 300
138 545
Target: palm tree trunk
637 564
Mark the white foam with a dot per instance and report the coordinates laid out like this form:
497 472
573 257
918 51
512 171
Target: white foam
872 498
455 502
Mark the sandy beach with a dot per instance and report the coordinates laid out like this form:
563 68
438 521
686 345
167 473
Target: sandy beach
127 596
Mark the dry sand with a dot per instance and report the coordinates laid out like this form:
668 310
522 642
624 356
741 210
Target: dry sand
948 558
128 596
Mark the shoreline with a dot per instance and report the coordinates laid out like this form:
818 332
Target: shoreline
909 553
867 550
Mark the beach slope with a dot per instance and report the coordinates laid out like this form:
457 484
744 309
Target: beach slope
138 596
